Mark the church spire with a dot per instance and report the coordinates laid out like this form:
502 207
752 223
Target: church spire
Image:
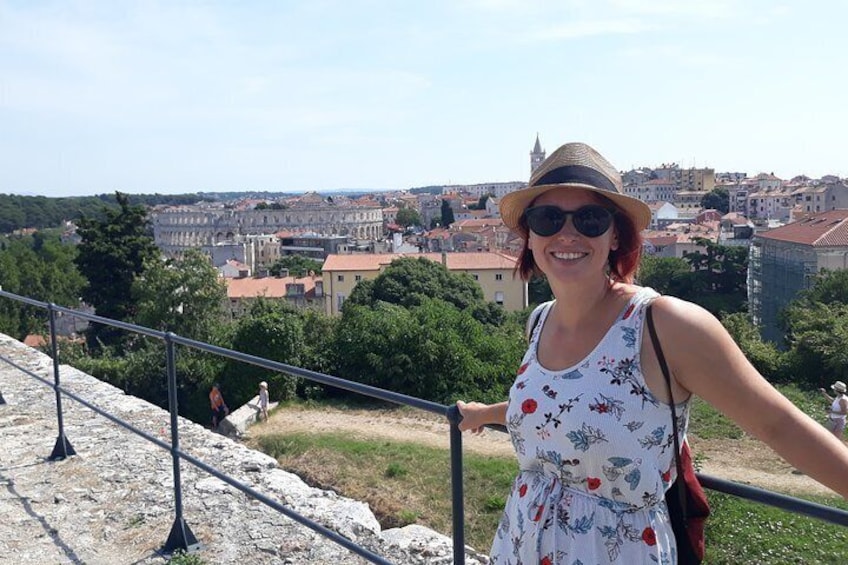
537 155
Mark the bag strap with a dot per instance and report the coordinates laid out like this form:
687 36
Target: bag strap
649 317
534 318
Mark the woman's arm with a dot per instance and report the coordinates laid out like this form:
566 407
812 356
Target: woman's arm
704 359
476 415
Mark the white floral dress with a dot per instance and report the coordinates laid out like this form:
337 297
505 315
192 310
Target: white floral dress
595 452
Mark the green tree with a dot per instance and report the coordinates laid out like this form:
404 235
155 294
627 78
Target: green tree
431 351
183 295
716 199
38 267
816 335
409 280
447 214
666 275
297 266
830 287
816 326
408 217
763 355
273 332
112 254
539 290
720 276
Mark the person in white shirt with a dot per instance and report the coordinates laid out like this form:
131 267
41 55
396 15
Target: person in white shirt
838 408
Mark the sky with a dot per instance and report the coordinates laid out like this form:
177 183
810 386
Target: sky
174 97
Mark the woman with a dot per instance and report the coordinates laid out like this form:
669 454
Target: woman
588 413
838 408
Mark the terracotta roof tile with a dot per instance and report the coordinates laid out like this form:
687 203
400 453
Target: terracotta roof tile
268 287
826 229
455 261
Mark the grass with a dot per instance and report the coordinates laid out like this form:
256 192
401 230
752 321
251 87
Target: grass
180 557
410 483
404 483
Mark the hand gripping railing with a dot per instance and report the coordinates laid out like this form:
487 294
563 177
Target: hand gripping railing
181 537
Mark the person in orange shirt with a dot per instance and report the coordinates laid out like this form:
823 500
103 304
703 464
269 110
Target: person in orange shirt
219 407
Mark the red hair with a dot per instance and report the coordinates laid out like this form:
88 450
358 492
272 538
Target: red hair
623 262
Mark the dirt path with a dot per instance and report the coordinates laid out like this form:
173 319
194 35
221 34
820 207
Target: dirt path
745 461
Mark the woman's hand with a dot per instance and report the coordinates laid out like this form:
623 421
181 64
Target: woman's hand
476 415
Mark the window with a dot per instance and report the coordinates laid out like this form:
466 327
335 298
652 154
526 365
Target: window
498 277
340 298
476 277
499 298
340 278
357 278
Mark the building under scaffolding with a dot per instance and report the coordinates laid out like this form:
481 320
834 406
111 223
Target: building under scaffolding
786 260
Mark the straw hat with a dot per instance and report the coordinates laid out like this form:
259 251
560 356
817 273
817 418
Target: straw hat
574 165
839 386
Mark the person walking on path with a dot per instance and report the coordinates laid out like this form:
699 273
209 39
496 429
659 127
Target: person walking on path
589 411
263 401
219 407
838 408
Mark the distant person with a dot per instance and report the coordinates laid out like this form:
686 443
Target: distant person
263 401
838 408
589 412
219 407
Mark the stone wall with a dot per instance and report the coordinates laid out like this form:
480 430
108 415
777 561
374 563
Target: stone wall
113 502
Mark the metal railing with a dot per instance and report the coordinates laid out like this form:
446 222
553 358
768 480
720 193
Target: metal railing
181 536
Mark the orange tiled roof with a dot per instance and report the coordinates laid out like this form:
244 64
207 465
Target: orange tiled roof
477 223
826 229
267 287
455 261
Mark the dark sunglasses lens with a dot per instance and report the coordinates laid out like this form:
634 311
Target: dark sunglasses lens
592 221
545 220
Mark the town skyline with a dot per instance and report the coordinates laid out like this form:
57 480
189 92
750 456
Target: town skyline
181 98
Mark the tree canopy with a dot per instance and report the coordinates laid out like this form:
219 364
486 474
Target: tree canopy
409 280
41 267
182 295
716 199
408 217
297 266
447 214
112 253
432 351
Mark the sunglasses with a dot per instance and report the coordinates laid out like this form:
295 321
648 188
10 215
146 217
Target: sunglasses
592 220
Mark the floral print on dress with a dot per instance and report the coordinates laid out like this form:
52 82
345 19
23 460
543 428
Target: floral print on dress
595 454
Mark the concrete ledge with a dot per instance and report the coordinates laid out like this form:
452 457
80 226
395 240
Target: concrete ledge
236 424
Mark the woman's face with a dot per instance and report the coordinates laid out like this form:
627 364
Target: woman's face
568 255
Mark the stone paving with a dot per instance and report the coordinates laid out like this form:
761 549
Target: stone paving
113 502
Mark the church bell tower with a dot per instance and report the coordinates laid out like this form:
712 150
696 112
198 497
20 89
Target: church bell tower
536 156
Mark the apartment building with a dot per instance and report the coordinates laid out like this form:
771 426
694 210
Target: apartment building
492 271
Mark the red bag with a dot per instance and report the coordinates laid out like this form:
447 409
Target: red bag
688 510
687 504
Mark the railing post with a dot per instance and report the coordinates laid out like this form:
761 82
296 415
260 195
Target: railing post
63 447
181 536
457 495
